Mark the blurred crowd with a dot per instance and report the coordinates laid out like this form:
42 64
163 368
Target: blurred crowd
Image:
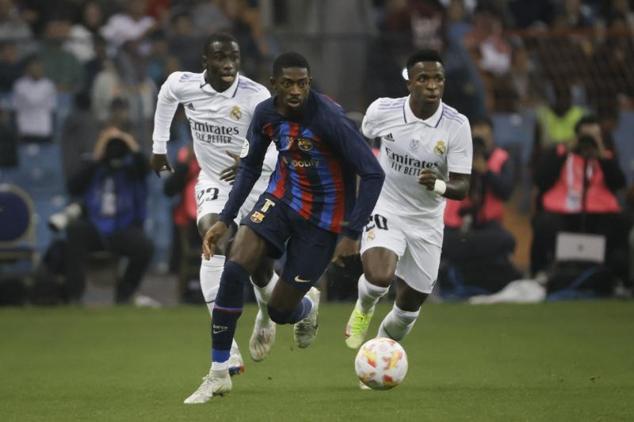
81 74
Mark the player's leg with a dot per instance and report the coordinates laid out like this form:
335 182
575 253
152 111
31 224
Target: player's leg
263 234
263 336
382 243
400 320
263 281
379 265
247 252
416 273
211 195
294 300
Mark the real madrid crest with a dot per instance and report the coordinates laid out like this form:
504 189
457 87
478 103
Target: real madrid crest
236 113
414 144
440 148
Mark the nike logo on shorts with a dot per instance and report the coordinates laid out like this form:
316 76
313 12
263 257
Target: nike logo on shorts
301 280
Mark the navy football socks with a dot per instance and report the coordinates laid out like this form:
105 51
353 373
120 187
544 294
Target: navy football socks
227 310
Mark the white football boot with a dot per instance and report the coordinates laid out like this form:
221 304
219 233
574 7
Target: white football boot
305 331
262 338
216 383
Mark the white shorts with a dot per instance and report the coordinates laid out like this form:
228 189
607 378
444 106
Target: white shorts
212 195
418 260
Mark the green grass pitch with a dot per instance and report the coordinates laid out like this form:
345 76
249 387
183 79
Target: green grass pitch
550 362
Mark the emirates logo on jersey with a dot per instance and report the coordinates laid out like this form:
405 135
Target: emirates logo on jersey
440 148
236 113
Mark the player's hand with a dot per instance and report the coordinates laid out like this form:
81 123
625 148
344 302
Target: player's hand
229 174
212 236
427 178
159 164
345 248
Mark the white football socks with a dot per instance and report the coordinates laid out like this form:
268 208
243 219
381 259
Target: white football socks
369 294
210 272
263 295
397 323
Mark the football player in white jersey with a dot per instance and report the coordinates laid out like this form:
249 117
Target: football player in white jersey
219 105
426 153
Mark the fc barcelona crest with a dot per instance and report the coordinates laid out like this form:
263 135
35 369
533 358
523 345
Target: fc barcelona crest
236 113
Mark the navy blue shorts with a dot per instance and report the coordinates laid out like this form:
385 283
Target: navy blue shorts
308 248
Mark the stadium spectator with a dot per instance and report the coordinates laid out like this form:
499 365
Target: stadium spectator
182 182
208 17
181 37
534 13
577 193
81 36
573 14
13 28
34 101
556 121
114 193
78 136
106 87
132 25
10 71
476 243
61 67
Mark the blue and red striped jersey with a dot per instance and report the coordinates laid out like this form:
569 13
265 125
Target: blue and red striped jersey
319 159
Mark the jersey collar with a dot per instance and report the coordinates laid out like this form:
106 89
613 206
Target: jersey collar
228 93
431 121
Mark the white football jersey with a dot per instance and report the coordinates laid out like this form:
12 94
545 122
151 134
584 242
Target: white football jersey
218 120
441 142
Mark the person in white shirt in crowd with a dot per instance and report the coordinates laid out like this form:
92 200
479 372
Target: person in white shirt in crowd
34 101
219 104
130 26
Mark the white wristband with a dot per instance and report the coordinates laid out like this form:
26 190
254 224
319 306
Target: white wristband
440 186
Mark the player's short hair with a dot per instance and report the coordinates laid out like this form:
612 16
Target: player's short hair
426 55
588 119
290 59
218 37
484 120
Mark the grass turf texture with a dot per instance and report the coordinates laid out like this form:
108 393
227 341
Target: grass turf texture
551 362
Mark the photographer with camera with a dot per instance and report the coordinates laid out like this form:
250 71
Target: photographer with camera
114 199
577 193
476 243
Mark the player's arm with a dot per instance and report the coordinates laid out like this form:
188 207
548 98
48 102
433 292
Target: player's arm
459 161
166 105
357 153
249 170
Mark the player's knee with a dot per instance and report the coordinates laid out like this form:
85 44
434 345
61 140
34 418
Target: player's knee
379 277
278 316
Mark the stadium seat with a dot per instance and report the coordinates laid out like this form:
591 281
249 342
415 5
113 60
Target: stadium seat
17 225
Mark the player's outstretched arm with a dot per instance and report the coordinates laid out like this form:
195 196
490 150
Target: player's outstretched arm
166 105
211 238
455 188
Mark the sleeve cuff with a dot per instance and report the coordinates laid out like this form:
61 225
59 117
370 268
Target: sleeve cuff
159 147
352 234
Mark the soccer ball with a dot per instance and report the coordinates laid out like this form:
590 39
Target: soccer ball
381 363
